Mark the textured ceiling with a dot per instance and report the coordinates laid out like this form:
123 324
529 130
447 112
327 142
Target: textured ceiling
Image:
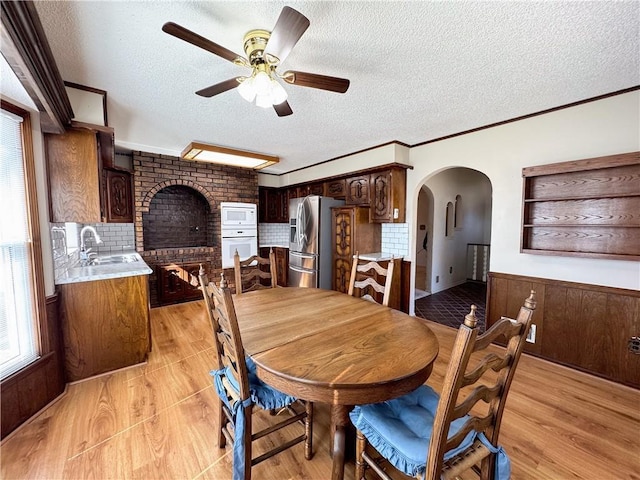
419 70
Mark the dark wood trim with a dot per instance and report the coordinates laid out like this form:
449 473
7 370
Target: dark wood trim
530 115
91 126
355 173
566 284
27 51
349 154
77 86
28 370
465 132
609 161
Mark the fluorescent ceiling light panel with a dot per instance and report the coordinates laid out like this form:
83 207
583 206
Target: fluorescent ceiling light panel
202 152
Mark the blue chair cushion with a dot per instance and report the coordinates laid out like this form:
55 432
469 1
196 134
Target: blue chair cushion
263 395
400 429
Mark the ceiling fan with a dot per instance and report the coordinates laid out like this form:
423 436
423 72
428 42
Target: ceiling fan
265 51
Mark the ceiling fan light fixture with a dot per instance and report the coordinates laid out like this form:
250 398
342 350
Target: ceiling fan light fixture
246 89
203 152
262 83
263 88
263 101
278 93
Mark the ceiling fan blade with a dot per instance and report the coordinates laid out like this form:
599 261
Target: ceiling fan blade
313 80
289 27
283 109
199 41
218 88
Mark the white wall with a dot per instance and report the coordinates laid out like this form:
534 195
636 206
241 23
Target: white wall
360 161
449 253
594 129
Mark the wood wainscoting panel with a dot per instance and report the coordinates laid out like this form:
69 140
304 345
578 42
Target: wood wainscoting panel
584 326
35 386
602 325
505 296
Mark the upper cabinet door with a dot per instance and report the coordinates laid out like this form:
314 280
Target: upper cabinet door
79 188
358 190
336 188
388 191
74 176
119 196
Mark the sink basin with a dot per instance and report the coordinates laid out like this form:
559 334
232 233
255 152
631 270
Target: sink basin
111 259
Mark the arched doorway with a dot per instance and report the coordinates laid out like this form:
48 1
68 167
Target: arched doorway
423 242
455 208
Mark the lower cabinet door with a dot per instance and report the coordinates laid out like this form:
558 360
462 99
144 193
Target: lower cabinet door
105 325
170 283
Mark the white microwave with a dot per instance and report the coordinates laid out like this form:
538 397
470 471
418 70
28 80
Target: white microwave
235 215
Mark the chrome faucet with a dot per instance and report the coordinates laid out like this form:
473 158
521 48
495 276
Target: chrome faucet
84 252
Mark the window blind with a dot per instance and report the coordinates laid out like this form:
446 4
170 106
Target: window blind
18 345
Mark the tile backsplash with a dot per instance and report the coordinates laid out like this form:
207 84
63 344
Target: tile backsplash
65 239
395 239
273 234
116 237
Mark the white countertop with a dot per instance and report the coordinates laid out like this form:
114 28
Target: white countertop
103 272
378 256
273 245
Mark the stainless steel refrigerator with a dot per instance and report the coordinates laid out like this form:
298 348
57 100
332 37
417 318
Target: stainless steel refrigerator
310 242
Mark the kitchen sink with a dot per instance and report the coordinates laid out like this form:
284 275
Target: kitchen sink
111 259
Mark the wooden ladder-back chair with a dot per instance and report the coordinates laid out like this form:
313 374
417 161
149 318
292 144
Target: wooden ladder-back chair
249 276
239 388
363 282
439 437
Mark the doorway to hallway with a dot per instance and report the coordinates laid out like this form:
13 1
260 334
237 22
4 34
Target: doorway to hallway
450 306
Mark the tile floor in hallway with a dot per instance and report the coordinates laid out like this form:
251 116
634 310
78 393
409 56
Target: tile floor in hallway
450 306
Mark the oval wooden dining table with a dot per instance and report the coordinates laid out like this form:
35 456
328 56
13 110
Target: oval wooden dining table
325 346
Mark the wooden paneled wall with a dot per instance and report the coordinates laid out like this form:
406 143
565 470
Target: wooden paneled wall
31 389
588 327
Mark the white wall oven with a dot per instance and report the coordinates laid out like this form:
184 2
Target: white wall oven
239 231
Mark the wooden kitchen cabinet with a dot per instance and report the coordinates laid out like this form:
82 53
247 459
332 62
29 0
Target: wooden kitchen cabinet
81 191
357 190
105 325
282 263
296 192
74 176
388 190
351 232
315 189
273 205
335 188
178 282
118 196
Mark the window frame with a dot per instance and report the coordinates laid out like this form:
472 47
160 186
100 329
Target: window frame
36 270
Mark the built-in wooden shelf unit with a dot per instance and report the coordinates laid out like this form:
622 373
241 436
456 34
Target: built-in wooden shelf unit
586 208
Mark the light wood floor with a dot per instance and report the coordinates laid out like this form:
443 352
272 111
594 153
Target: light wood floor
158 421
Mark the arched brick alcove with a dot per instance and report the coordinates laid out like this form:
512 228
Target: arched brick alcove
208 185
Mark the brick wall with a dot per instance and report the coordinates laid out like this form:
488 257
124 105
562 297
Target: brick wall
178 216
213 183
